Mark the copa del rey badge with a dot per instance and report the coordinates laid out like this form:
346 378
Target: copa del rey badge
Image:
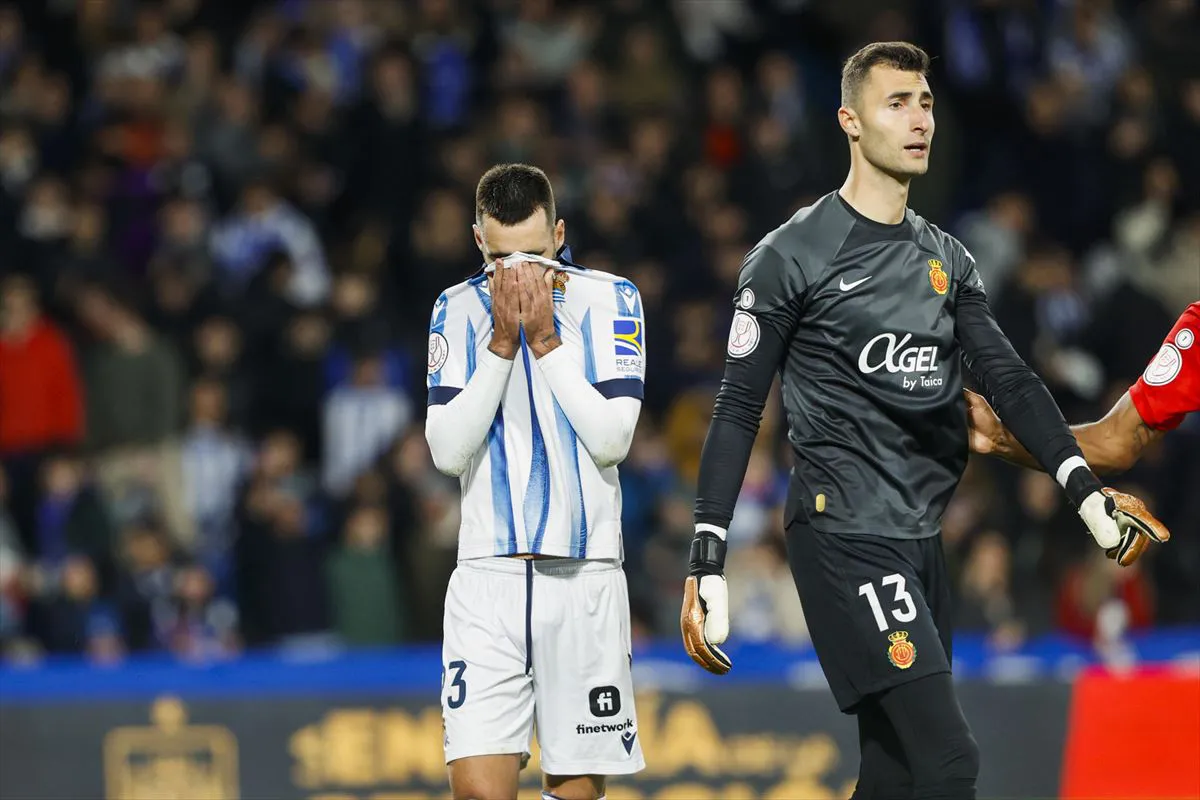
902 653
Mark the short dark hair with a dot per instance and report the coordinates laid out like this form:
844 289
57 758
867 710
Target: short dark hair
510 193
897 55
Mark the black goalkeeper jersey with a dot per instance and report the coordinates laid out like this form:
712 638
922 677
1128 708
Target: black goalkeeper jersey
869 326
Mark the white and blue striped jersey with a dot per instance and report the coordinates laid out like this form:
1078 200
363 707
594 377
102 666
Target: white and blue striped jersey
532 487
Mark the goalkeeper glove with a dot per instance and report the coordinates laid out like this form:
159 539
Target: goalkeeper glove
704 620
1120 523
1138 527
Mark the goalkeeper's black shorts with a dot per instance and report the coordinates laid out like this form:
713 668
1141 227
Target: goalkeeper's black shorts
878 609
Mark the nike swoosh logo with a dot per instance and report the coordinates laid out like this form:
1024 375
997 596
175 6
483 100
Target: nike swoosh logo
845 287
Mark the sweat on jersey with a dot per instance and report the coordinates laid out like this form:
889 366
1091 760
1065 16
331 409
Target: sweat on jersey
869 326
532 487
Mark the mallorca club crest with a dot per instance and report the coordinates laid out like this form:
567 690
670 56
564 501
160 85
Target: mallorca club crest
937 277
902 653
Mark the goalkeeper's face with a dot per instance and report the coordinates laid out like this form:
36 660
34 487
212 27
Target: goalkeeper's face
535 235
892 122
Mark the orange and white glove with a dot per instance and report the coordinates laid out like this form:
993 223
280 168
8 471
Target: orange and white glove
704 620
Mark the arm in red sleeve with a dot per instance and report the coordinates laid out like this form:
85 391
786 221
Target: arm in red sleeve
1169 389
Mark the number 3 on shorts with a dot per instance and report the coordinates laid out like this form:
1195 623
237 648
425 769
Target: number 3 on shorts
457 683
906 614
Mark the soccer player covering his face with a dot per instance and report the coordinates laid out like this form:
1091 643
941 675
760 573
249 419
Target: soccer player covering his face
535 384
869 313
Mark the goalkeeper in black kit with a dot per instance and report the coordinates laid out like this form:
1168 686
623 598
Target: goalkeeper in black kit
869 313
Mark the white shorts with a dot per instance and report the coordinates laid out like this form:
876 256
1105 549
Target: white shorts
546 640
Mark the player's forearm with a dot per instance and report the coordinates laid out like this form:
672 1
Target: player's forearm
723 463
1104 451
1013 388
455 430
737 414
604 425
1111 444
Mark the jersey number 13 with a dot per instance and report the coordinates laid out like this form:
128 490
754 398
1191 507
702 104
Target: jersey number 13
904 611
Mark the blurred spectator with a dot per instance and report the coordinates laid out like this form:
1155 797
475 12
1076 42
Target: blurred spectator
292 382
777 171
763 604
985 602
708 25
12 569
146 586
425 502
18 164
362 582
71 520
215 463
280 581
261 223
1184 142
84 255
194 89
265 311
41 400
66 615
1088 55
12 32
645 78
996 237
761 493
1042 310
219 354
179 303
361 323
646 475
180 172
1161 258
226 135
134 399
543 42
724 134
361 420
155 51
587 118
445 39
133 377
201 627
44 221
387 164
1097 595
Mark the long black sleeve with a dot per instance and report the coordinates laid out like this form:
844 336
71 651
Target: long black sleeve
768 302
1019 396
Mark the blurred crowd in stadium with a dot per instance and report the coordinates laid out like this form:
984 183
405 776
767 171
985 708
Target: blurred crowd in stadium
223 225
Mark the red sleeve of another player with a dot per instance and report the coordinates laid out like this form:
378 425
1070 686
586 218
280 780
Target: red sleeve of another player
1169 389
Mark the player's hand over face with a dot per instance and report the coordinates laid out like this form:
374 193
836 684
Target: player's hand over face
537 307
506 312
986 431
